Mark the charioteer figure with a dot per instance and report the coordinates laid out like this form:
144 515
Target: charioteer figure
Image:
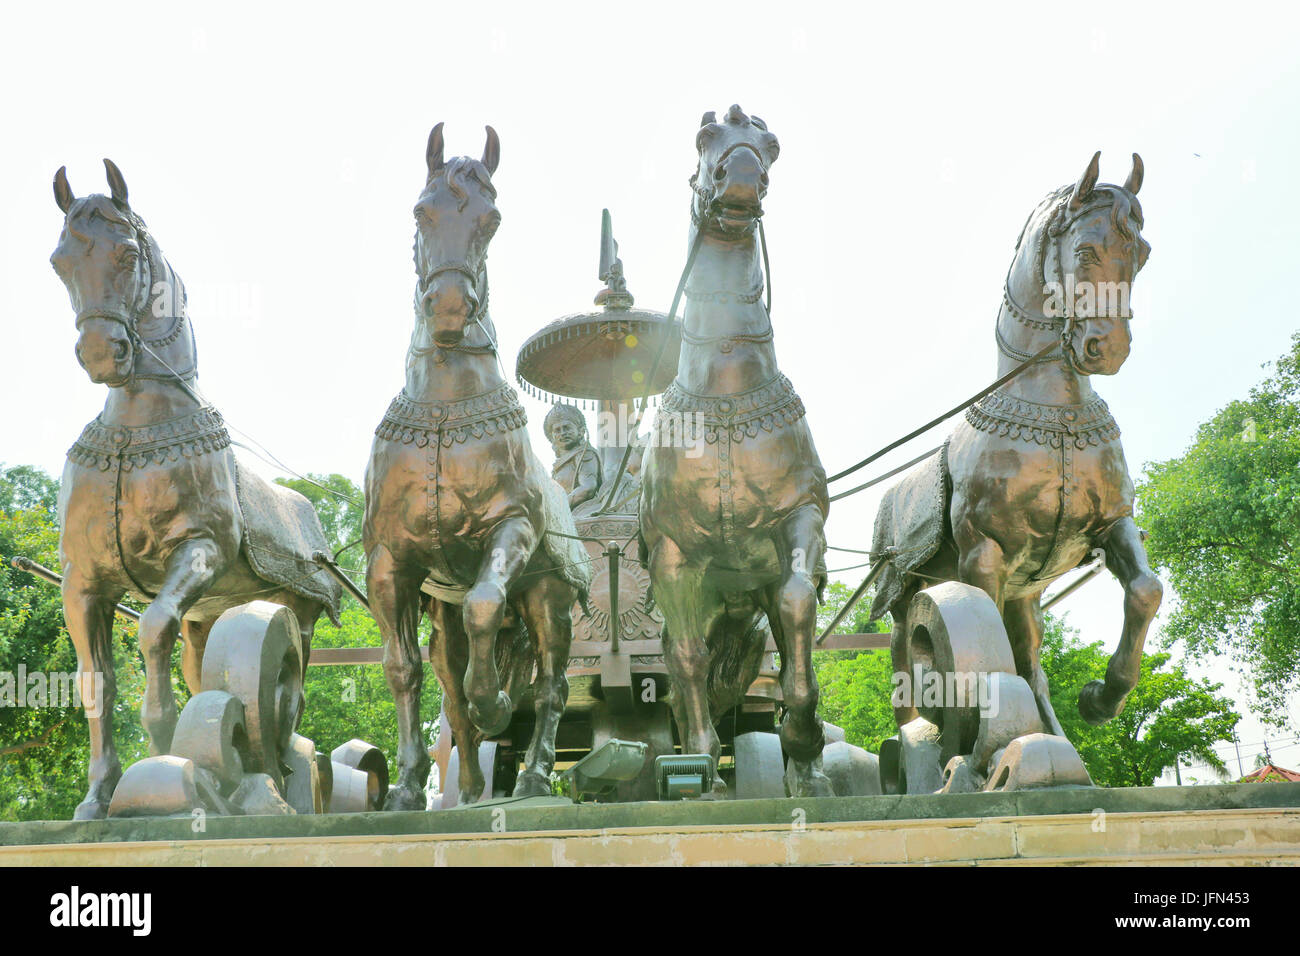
577 465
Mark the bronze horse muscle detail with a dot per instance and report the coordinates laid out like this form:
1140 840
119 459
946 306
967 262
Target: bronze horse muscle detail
1035 478
736 532
458 504
153 502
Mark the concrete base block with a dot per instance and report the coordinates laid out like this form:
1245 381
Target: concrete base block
919 742
257 795
958 777
853 771
760 766
166 786
302 786
1037 761
1011 712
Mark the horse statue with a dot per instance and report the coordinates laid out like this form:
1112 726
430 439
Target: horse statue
462 520
1035 478
733 495
153 502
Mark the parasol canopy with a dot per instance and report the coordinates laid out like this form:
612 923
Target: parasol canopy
605 355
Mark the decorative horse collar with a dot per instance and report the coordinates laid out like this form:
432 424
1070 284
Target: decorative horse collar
769 407
1087 423
422 423
101 445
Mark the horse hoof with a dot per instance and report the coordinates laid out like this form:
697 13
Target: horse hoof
402 798
90 809
1090 707
532 784
494 722
810 783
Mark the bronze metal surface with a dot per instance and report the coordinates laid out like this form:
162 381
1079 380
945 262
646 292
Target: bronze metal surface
733 508
150 500
455 497
1035 478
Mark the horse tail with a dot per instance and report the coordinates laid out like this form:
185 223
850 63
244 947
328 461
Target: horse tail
516 656
736 648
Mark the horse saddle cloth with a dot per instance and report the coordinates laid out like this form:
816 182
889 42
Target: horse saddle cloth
281 530
911 521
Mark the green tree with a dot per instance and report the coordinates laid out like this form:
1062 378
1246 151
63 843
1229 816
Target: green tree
854 685
351 700
1169 716
44 750
1224 523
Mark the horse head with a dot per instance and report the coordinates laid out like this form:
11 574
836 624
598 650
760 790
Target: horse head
455 218
732 178
1077 257
126 297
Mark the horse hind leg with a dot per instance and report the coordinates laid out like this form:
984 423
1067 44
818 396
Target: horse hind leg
691 611
194 634
1024 621
394 593
547 609
89 617
449 655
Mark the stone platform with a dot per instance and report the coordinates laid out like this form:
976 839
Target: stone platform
1256 824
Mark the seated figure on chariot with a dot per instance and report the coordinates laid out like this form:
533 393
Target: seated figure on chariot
577 466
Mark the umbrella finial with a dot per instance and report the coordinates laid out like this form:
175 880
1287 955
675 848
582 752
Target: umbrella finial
615 294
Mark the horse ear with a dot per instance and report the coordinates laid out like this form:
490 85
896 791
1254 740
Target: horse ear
491 150
1083 188
62 191
116 183
433 152
1134 181
709 117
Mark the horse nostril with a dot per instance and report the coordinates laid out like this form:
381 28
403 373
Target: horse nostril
1093 348
426 305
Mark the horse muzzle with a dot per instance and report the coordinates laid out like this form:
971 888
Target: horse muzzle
1100 346
105 351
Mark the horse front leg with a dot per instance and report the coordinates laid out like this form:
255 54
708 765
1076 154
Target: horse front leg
191 569
548 610
691 610
1099 701
394 592
792 612
505 554
89 616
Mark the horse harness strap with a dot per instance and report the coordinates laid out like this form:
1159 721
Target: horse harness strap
438 425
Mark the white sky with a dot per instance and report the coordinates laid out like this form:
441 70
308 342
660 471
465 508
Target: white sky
276 152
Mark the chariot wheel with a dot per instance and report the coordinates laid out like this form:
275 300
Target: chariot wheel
955 639
254 653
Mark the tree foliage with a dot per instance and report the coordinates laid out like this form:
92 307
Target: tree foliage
1169 717
1224 523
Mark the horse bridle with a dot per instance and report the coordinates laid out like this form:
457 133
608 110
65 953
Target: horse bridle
1052 233
139 344
477 280
710 203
